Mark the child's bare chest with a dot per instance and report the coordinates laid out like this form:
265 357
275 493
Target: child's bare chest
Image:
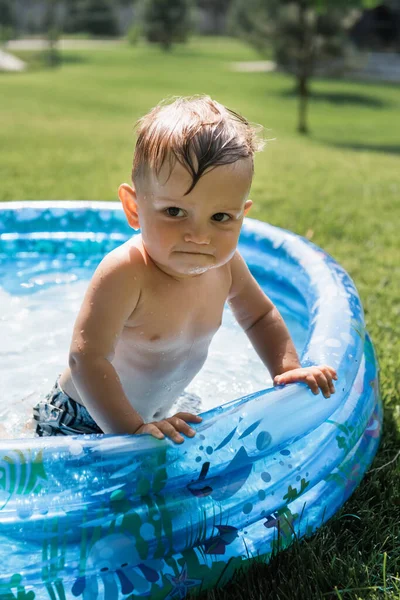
171 316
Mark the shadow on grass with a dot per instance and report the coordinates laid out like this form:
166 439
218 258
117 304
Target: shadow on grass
39 60
346 553
62 58
72 58
341 98
385 148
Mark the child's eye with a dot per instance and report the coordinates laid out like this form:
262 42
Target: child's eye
173 211
220 217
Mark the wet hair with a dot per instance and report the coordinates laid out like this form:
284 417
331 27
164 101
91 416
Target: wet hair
196 131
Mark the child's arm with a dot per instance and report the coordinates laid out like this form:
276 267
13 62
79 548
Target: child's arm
267 331
112 296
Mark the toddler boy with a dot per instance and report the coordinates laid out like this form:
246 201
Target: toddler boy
155 302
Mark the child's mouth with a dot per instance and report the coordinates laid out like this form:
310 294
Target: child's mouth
194 253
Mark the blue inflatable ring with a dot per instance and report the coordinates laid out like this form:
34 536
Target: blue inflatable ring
111 517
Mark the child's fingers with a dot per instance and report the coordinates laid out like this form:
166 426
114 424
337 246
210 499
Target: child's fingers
323 383
315 377
310 380
189 417
172 427
330 374
168 429
152 429
329 370
288 377
181 426
330 383
160 429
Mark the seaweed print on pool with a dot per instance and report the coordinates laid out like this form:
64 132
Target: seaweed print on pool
21 594
20 475
283 520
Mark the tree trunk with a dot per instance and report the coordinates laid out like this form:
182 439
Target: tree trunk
303 91
166 43
52 56
302 76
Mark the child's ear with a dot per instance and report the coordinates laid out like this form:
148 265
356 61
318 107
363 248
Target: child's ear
127 195
247 207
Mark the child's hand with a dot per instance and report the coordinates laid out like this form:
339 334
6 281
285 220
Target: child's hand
314 377
171 427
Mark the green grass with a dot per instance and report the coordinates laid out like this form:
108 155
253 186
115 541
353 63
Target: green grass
68 134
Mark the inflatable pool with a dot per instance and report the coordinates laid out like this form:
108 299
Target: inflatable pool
109 517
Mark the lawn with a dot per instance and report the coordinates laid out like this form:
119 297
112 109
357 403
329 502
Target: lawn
68 134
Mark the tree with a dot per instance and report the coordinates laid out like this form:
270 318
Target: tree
7 21
218 10
96 17
7 17
52 29
166 21
302 34
72 16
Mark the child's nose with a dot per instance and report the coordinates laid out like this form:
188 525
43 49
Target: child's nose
197 235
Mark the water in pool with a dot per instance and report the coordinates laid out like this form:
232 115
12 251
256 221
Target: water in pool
40 298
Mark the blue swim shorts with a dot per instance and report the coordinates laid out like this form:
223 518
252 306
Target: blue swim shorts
59 414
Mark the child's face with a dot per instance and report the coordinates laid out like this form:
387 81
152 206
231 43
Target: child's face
188 235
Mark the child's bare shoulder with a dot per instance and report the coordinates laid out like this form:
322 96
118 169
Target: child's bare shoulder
125 261
128 256
239 271
110 300
119 276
